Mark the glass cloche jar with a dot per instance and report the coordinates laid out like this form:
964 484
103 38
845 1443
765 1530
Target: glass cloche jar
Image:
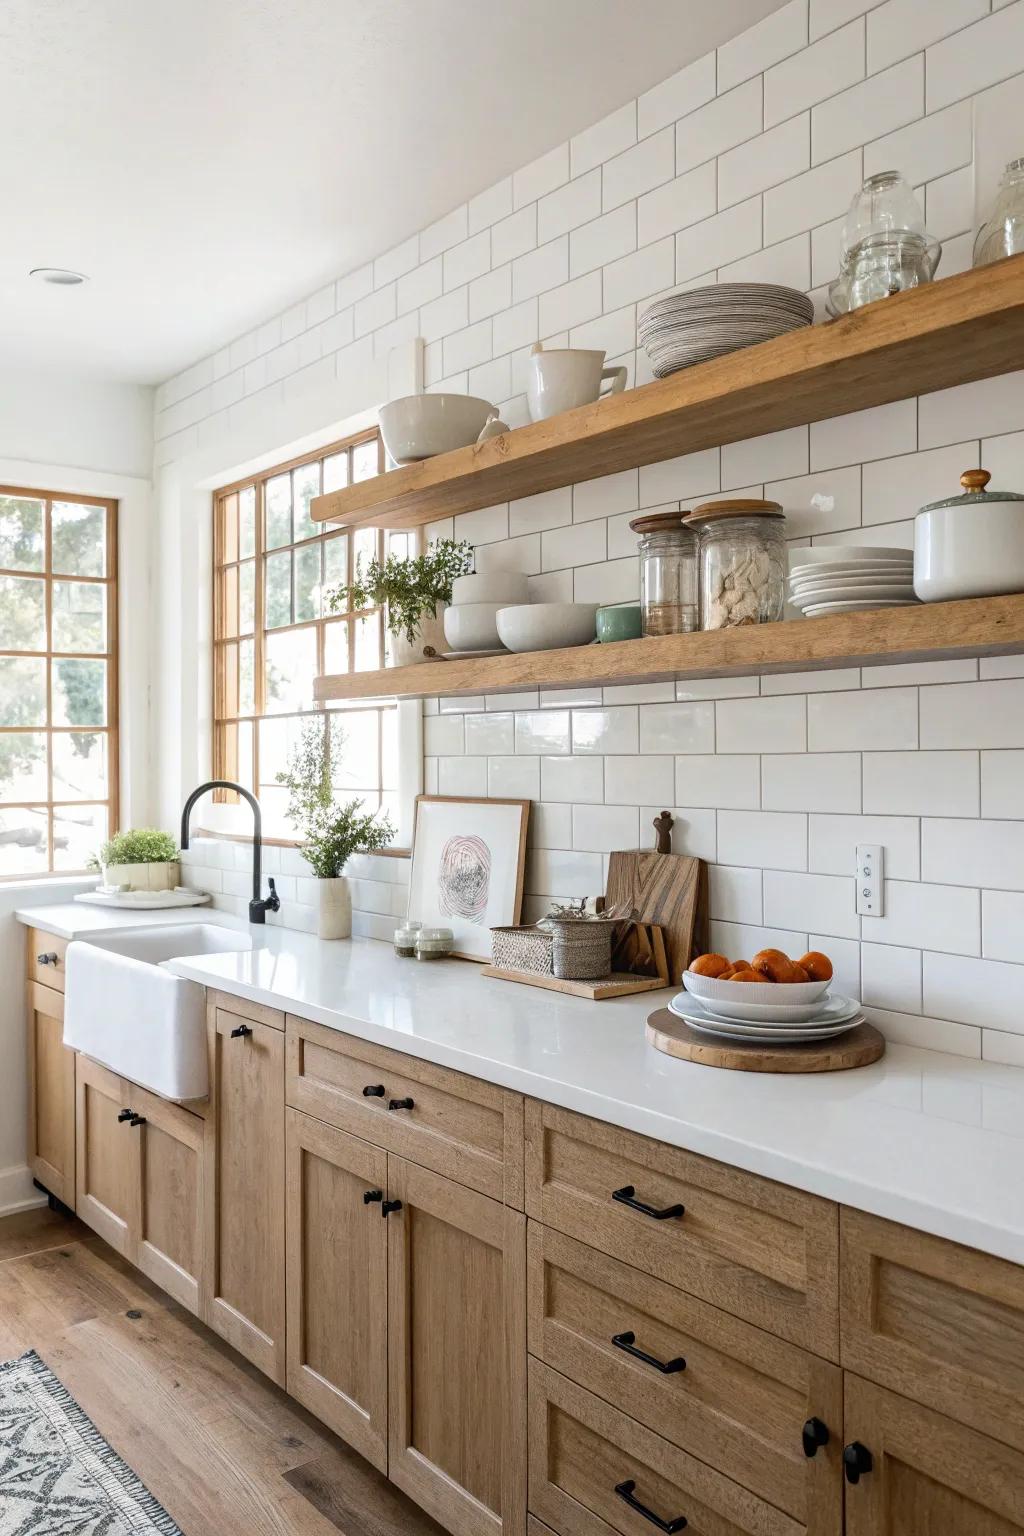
742 562
1003 233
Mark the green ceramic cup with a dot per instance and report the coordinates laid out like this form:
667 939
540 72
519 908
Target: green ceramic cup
621 621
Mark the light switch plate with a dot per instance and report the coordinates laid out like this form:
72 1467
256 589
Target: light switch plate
870 874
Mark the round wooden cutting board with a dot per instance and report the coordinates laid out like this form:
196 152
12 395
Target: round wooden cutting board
858 1048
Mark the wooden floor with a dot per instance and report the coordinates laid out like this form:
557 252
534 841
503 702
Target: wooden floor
225 1452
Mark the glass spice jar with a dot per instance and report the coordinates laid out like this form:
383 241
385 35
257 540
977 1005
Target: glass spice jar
742 562
668 574
405 939
434 943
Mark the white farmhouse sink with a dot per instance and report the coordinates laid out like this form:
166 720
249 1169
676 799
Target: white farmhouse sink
122 1008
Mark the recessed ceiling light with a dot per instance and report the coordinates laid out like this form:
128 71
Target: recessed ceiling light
60 276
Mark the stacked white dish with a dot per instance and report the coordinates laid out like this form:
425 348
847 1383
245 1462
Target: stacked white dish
775 1013
701 323
470 620
839 578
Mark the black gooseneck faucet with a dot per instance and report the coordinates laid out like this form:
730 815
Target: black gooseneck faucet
258 906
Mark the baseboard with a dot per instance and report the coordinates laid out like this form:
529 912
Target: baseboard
17 1192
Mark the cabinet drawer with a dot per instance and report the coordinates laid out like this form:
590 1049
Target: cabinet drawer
467 1130
588 1461
759 1250
736 1397
45 958
936 1322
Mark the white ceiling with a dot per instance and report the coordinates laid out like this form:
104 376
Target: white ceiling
208 162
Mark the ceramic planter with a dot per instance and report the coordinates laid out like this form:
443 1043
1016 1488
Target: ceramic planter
142 877
334 909
430 632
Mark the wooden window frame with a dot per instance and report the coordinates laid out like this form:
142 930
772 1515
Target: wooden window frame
110 655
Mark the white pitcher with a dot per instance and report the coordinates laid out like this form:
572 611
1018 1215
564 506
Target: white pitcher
566 377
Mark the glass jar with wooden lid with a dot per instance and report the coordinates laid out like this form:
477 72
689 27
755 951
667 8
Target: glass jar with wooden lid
668 573
742 561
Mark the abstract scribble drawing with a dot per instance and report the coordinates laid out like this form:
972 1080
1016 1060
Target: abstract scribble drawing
464 877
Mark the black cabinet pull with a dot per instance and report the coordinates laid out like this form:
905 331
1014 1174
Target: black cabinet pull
51 958
125 1114
400 1104
857 1459
241 1032
371 1196
814 1435
625 1492
388 1206
627 1196
137 1120
627 1343
373 1091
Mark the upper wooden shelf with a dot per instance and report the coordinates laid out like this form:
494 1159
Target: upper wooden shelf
966 327
983 626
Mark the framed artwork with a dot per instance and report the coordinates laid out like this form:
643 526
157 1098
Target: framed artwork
468 860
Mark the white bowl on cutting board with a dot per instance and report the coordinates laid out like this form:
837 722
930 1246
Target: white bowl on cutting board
774 992
547 626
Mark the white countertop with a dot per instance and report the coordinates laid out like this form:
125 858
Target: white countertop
922 1137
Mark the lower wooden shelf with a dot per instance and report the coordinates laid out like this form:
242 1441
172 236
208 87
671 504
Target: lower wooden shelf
979 626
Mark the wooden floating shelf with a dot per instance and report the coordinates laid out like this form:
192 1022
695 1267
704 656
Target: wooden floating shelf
966 327
981 626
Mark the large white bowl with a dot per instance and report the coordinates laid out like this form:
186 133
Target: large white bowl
713 990
546 626
502 587
471 626
420 426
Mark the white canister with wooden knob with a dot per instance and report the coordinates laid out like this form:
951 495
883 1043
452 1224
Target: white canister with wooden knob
970 545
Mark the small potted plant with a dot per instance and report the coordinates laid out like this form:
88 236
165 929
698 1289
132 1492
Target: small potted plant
330 832
139 859
414 593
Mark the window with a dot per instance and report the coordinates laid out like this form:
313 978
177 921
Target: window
58 680
273 638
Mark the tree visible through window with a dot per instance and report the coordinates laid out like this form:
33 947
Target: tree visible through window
58 680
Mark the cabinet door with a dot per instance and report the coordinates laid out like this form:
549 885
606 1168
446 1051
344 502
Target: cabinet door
928 1476
107 1156
244 1188
170 1236
51 1094
337 1268
456 1352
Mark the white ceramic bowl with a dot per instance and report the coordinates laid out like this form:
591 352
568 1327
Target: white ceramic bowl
420 426
471 626
713 990
969 551
546 626
501 587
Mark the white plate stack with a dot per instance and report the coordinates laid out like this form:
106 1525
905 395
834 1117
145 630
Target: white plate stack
702 323
737 1010
839 578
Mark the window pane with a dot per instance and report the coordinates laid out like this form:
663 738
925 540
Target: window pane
247 522
23 835
364 460
78 832
228 513
79 765
247 597
400 545
245 762
335 472
79 539
278 740
364 548
307 583
22 690
246 678
22 614
79 692
336 646
336 560
305 485
291 669
21 534
389 748
79 616
279 590
279 511
368 643
229 601
23 766
356 764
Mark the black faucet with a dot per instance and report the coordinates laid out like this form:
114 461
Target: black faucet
258 906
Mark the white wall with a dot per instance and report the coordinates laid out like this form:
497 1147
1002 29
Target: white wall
48 418
738 167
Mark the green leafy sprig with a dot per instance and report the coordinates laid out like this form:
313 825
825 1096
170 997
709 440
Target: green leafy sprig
140 845
331 833
409 588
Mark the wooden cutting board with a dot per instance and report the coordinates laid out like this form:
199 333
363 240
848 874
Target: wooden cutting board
665 888
857 1048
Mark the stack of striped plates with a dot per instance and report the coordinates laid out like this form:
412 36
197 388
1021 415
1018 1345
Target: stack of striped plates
702 323
840 578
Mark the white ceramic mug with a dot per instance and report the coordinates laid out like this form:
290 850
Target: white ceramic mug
566 377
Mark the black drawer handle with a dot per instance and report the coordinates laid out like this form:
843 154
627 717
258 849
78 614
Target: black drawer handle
627 1196
373 1091
857 1459
241 1032
52 958
371 1196
137 1120
625 1492
627 1343
388 1206
814 1435
401 1104
126 1114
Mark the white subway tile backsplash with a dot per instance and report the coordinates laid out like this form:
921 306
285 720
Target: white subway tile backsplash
490 294
443 734
542 731
973 715
921 783
534 514
551 826
683 479
735 894
977 853
781 33
540 269
820 781
515 235
606 730
984 992
886 101
694 831
685 200
606 138
571 304
982 409
603 828
771 457
553 872
762 724
821 70
927 1034
990 50
490 733
615 581
717 688
445 232
877 433
1002 785
677 728
891 977
742 940
513 778
541 176
1002 925
810 199
772 839
579 780
824 902
778 155
681 93
639 275
719 240
646 165
720 125
603 240
921 916
576 203
930 147
902 27
833 839
462 775
725 781
562 548
607 496
885 719
788 263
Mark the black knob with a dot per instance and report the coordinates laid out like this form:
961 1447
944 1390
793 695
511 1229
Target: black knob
857 1459
400 1104
373 1091
137 1120
241 1032
388 1206
125 1114
371 1196
814 1436
48 959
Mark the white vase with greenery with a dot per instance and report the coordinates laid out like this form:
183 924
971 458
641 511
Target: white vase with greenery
413 592
331 833
140 859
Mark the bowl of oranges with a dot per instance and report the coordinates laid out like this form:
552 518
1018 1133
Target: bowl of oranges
770 977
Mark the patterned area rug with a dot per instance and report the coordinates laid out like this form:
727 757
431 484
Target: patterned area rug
58 1476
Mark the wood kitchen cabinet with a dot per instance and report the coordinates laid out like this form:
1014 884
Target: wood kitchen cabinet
244 1187
51 1094
106 1160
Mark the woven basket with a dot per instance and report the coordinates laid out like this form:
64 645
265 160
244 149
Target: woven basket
522 949
582 949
